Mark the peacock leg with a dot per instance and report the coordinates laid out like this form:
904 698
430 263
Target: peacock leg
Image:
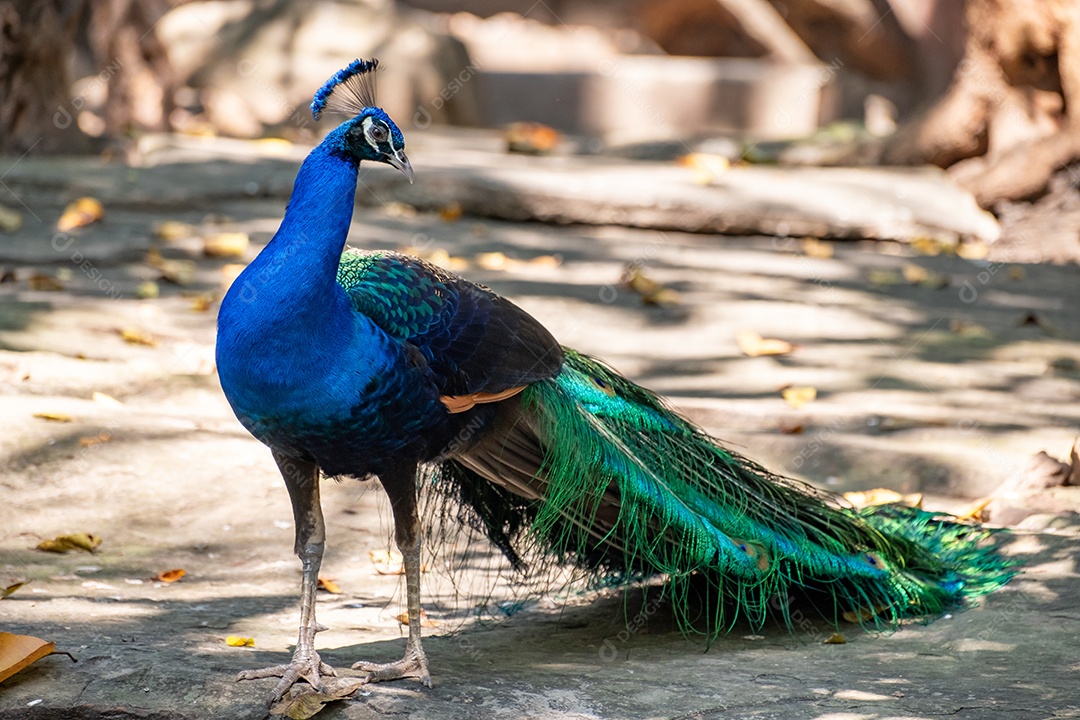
400 485
302 480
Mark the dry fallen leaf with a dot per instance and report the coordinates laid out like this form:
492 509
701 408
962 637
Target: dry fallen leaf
226 244
835 639
651 292
10 220
44 283
18 651
329 586
753 345
706 166
202 302
67 543
104 399
1016 273
137 337
425 621
301 704
796 397
918 275
171 230
171 576
815 248
12 588
975 510
237 641
931 247
790 429
54 416
80 213
387 562
531 138
451 212
863 614
92 440
882 496
147 290
974 250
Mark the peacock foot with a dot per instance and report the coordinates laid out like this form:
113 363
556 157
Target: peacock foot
413 665
304 666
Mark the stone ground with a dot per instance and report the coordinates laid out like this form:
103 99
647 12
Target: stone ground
946 387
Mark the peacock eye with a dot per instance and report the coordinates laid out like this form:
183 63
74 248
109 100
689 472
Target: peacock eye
378 133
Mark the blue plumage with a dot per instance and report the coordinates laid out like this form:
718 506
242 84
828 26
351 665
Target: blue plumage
375 363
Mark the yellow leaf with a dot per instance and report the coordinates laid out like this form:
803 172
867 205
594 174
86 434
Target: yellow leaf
104 399
66 543
835 639
329 586
80 213
147 290
451 212
54 416
202 303
387 562
973 250
930 246
915 274
12 588
492 261
171 576
136 337
546 261
237 641
226 244
92 440
651 292
171 230
10 220
18 651
976 510
796 397
817 248
882 496
753 345
425 621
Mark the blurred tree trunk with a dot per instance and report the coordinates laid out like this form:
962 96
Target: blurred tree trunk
36 39
1011 118
132 89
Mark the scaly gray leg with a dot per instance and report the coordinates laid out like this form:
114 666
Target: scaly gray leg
302 480
400 485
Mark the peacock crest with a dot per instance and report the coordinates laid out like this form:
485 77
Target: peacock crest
349 91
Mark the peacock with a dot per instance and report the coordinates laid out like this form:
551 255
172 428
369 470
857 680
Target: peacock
355 363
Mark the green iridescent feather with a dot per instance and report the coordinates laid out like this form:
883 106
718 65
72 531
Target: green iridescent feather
631 488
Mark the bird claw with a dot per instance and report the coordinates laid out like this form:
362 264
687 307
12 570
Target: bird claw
304 666
413 665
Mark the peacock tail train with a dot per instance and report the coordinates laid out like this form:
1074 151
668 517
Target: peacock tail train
591 470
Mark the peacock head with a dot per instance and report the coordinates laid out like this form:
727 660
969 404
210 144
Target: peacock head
370 134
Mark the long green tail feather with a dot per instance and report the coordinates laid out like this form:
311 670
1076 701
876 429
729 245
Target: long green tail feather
630 490
632 486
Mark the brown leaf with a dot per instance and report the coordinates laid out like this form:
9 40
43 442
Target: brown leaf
451 212
387 562
237 641
18 651
651 292
835 639
796 397
975 510
171 576
92 440
226 244
44 283
137 337
329 586
425 621
931 247
12 588
202 302
80 213
304 704
67 543
531 138
54 416
791 429
753 345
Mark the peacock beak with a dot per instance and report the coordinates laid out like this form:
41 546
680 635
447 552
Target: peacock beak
398 160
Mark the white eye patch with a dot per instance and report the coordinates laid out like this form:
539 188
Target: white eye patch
375 132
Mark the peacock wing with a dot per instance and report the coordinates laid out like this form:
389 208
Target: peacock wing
474 341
